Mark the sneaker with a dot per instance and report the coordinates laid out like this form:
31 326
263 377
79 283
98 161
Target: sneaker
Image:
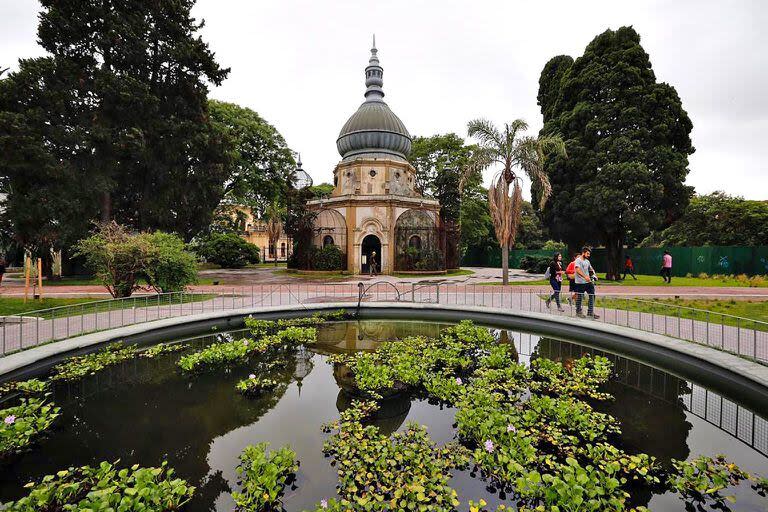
548 302
580 315
560 309
594 316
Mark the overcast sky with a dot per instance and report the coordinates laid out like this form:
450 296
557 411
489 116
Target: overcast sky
299 63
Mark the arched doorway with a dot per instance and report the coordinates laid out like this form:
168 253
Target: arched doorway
371 244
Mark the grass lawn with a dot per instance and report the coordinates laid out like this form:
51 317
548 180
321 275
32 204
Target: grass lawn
454 272
645 280
752 309
16 305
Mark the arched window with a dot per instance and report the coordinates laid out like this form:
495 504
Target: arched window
327 240
282 250
415 242
271 250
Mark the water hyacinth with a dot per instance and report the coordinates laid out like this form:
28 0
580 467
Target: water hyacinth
458 381
511 428
10 419
488 446
323 503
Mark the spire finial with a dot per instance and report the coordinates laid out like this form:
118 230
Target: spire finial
298 161
374 76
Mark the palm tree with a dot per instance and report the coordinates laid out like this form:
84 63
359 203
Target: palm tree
514 152
274 216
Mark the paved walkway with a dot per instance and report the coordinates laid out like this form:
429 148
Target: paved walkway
742 339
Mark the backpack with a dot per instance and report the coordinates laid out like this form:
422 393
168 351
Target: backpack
548 273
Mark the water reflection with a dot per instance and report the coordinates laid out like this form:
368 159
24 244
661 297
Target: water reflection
144 411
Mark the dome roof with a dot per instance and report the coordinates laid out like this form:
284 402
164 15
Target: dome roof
374 130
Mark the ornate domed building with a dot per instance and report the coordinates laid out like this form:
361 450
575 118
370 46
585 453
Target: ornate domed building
374 206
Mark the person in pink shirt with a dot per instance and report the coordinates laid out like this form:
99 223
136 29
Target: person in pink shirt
666 267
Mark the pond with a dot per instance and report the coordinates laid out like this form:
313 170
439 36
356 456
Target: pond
144 411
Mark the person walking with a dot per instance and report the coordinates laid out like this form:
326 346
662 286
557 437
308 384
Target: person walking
629 268
555 273
666 267
570 272
585 283
372 264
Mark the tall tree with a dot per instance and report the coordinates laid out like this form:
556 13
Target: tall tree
517 155
710 219
439 161
261 159
628 141
121 107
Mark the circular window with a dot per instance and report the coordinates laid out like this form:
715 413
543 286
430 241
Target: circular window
397 175
373 173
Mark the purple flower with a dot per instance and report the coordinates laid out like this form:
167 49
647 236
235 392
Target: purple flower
488 446
10 419
323 503
245 342
511 428
458 381
252 376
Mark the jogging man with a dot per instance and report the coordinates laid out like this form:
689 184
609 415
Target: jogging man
585 283
629 268
666 267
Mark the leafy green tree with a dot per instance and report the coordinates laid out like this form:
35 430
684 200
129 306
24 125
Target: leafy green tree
321 190
439 161
710 220
115 119
531 233
300 226
261 160
227 250
518 155
628 141
172 267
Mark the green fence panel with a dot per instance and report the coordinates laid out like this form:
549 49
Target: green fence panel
685 260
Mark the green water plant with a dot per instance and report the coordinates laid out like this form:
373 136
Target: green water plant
703 480
106 488
76 368
25 387
262 477
233 352
582 378
404 471
22 424
162 348
254 386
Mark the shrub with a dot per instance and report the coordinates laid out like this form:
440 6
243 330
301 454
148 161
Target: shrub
107 488
703 275
118 258
262 477
227 250
326 258
554 246
172 268
535 264
420 259
121 259
20 425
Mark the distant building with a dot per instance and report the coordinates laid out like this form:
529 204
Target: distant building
255 231
374 206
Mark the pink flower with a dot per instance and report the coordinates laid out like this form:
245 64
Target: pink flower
323 503
488 446
511 428
458 381
10 419
252 376
245 342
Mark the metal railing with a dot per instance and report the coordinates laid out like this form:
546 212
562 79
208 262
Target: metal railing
744 337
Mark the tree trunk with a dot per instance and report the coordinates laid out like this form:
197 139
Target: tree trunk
505 264
614 248
105 202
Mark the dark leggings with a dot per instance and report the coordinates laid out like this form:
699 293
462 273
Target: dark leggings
555 295
666 273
